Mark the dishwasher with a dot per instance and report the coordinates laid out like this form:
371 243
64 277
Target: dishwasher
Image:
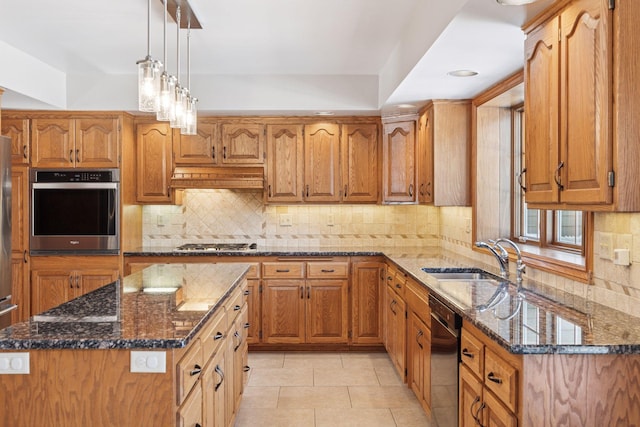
445 357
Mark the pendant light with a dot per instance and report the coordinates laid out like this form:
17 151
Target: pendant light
148 75
179 104
167 82
191 113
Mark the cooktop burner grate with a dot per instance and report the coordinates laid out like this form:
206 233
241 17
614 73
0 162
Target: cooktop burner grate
203 247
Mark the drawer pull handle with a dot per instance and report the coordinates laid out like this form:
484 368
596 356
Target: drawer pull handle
492 377
24 152
283 271
475 402
301 292
308 292
236 307
420 334
328 271
466 353
236 334
70 156
218 371
196 370
218 336
398 285
247 292
246 325
246 368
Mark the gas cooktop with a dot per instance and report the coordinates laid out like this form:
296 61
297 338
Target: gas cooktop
208 247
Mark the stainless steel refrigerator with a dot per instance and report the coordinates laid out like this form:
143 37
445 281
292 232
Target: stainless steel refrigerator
6 305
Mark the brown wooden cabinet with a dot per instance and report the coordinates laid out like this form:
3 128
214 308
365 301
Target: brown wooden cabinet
360 178
285 163
322 164
200 149
396 331
254 304
56 280
153 162
568 107
18 131
305 302
398 162
243 143
70 143
20 241
419 342
367 298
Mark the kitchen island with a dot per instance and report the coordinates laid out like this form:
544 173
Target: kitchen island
162 347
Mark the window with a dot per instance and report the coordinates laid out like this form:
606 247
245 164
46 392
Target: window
562 230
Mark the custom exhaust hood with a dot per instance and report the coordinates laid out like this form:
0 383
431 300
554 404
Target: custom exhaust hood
212 177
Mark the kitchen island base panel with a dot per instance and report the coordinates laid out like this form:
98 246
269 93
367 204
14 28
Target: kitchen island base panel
86 387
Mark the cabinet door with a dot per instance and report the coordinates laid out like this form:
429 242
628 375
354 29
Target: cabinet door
367 302
213 390
470 398
243 143
239 350
20 287
153 163
360 179
19 209
18 131
52 144
322 167
50 288
495 414
424 157
283 311
96 143
190 413
542 75
254 311
398 162
197 149
229 392
419 359
586 102
396 331
284 163
327 317
90 280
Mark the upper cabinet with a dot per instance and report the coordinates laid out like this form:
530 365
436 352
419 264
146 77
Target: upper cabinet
153 162
360 178
243 143
569 142
200 149
70 143
284 163
322 167
18 131
398 162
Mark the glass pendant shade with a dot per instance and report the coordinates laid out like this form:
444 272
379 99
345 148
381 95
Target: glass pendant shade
148 84
166 96
179 107
190 118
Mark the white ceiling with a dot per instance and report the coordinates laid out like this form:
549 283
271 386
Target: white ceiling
261 57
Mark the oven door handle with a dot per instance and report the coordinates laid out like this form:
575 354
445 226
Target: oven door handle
74 185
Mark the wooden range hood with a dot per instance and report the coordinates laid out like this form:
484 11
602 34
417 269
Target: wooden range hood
212 177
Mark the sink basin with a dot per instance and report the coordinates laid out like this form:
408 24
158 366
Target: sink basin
459 274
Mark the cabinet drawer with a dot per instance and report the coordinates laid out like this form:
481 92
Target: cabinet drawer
418 302
472 353
277 270
320 270
234 304
501 378
399 283
213 334
188 370
254 271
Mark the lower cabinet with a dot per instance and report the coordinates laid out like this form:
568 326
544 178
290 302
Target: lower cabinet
20 287
367 296
419 359
396 331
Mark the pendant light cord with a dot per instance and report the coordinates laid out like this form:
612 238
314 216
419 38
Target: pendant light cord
165 34
178 19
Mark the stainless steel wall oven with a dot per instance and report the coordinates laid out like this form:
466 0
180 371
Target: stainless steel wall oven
75 211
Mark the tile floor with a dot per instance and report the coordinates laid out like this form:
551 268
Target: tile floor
301 389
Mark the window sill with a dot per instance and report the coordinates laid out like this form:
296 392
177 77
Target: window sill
573 266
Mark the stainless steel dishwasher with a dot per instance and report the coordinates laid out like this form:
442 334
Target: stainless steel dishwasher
445 356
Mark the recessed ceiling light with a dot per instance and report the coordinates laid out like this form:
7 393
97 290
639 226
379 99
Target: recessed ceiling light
406 106
514 2
324 113
462 73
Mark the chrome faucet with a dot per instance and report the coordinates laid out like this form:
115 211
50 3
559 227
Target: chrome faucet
520 267
502 257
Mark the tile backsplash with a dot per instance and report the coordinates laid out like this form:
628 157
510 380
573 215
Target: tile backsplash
241 216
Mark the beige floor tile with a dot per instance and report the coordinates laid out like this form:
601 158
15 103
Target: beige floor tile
388 376
366 360
411 417
345 377
314 397
382 397
264 359
281 377
313 360
260 397
256 417
354 418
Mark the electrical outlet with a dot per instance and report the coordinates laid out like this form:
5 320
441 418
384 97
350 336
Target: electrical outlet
286 220
331 219
149 362
14 363
605 248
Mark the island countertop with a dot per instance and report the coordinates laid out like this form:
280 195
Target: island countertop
162 306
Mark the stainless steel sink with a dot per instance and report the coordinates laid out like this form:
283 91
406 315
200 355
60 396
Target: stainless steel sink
459 275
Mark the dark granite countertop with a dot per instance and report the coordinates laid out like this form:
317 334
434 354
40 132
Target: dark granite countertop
162 306
540 320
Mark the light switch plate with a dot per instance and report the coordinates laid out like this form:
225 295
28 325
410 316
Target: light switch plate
286 220
14 363
605 247
149 362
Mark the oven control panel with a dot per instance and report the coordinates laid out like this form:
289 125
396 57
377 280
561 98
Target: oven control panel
108 175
